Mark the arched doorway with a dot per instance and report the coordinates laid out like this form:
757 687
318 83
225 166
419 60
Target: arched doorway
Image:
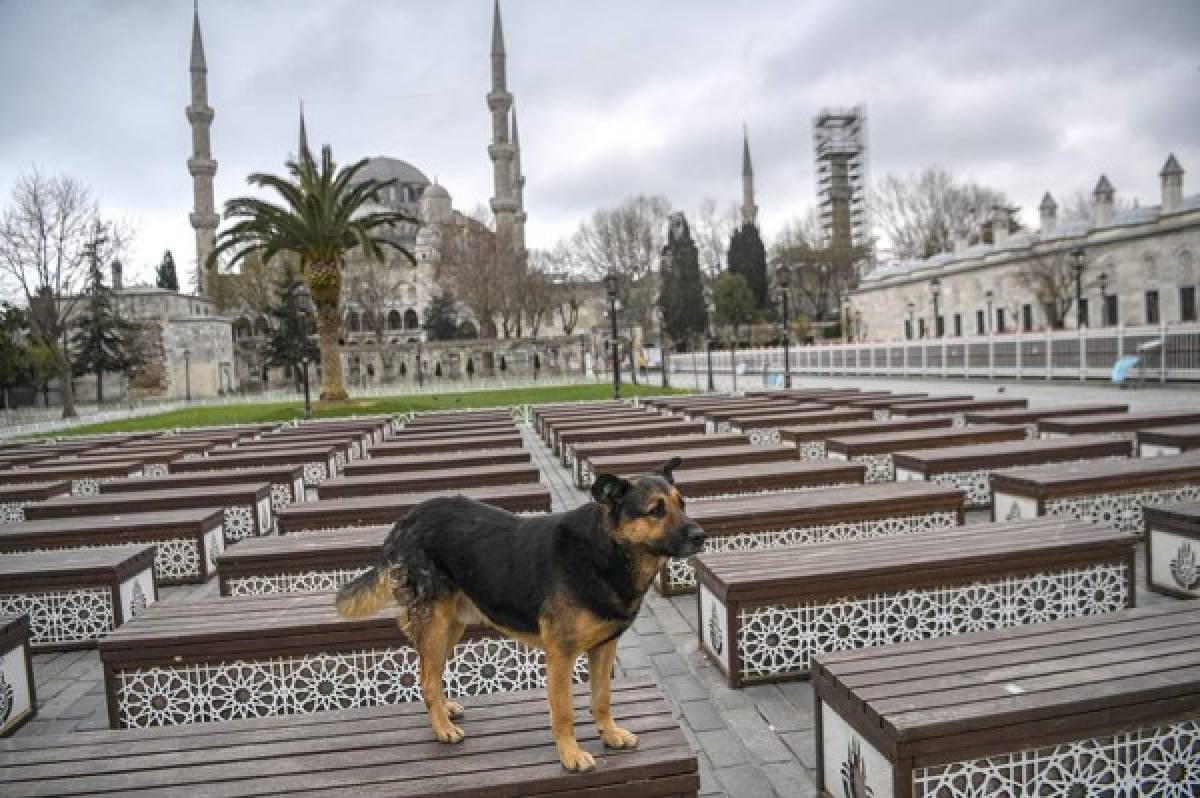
394 320
411 320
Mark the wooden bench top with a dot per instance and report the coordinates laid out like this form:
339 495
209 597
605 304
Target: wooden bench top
1117 422
850 429
360 544
68 567
33 491
442 479
883 401
1179 514
642 462
459 417
1185 436
105 470
957 553
265 456
233 476
922 439
697 440
1015 453
1064 479
193 520
780 510
901 400
639 419
150 501
665 426
383 750
1046 681
765 408
399 448
803 418
424 462
943 406
14 630
473 431
371 510
1028 415
783 475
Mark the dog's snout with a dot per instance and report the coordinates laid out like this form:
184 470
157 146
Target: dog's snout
695 533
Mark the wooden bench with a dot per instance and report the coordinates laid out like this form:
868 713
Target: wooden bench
759 478
425 462
970 468
1029 417
570 439
875 451
809 440
184 543
299 563
721 415
767 430
642 462
1098 705
1102 491
1167 440
18 690
1173 549
676 443
246 508
881 406
257 656
1123 424
286 481
384 750
372 510
406 448
956 410
763 615
476 431
775 520
15 498
442 479
638 418
342 449
84 478
75 598
319 462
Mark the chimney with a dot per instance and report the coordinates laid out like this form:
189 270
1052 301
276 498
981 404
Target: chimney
1102 203
999 225
1172 185
1049 211
117 277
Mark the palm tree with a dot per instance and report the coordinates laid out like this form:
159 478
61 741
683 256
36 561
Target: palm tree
320 220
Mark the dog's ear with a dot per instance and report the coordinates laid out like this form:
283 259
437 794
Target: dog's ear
609 489
668 469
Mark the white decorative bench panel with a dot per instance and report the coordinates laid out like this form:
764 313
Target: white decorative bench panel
1173 549
18 691
287 482
15 498
1167 440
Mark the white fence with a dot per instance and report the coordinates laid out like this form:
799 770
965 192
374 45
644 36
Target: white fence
1168 353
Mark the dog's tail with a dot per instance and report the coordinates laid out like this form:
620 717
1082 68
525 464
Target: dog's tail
366 594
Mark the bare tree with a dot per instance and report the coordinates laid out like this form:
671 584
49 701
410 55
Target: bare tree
49 231
1051 277
251 289
478 268
369 286
711 229
819 271
539 294
1078 207
920 214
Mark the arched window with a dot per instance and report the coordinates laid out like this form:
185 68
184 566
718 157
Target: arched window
411 320
437 369
470 368
394 320
503 364
353 322
403 368
242 328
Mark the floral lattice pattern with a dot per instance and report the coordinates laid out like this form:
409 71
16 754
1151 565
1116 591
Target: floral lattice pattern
299 582
12 512
1163 762
281 495
779 640
63 616
879 467
768 436
811 450
314 474
239 523
1122 509
166 696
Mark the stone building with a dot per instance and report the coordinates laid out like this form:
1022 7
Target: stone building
1139 267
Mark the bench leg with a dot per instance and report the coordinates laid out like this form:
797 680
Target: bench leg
559 671
600 670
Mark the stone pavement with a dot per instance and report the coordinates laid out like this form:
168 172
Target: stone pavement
757 741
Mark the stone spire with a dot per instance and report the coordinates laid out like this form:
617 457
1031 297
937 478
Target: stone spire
518 184
201 165
749 209
501 150
302 142
1049 213
1171 177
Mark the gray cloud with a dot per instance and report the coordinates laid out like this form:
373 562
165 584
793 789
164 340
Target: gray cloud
614 98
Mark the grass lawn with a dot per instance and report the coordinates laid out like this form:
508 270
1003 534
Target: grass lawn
216 415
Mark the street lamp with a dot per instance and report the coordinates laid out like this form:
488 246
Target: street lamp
912 324
420 362
989 296
610 286
847 318
783 276
1103 281
661 315
709 311
1077 265
304 298
935 288
187 374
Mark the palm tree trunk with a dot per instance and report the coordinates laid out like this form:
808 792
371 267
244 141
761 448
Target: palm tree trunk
332 387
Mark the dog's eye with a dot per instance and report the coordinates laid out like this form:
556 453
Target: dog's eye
659 509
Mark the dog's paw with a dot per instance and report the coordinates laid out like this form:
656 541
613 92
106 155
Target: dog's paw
454 709
616 737
449 734
577 760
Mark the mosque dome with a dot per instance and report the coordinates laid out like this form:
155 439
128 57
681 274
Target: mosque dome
383 168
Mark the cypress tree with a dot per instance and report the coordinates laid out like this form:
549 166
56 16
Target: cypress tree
101 340
441 318
683 291
748 257
289 341
166 277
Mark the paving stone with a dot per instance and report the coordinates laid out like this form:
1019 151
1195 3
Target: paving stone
745 781
762 743
804 745
647 624
777 710
800 696
722 748
656 644
59 705
669 664
701 716
708 780
685 687
790 780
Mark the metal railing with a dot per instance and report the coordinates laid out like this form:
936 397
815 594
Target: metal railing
1167 353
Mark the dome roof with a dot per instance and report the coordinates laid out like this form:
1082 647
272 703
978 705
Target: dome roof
435 191
384 168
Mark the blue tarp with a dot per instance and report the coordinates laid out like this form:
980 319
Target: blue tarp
1123 368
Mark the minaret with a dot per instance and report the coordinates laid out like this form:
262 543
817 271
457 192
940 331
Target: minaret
504 204
518 184
203 217
302 142
749 209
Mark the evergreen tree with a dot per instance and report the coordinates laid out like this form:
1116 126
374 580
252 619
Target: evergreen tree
441 318
167 278
16 367
748 257
289 341
102 341
682 297
733 301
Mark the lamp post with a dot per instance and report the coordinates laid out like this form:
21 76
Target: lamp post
847 317
661 315
420 363
989 296
307 395
709 310
912 323
1077 265
303 302
187 374
610 286
935 288
1103 281
782 274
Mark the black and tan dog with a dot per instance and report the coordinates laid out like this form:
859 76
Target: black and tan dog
566 583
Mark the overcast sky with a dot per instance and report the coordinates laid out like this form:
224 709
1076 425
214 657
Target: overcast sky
615 97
